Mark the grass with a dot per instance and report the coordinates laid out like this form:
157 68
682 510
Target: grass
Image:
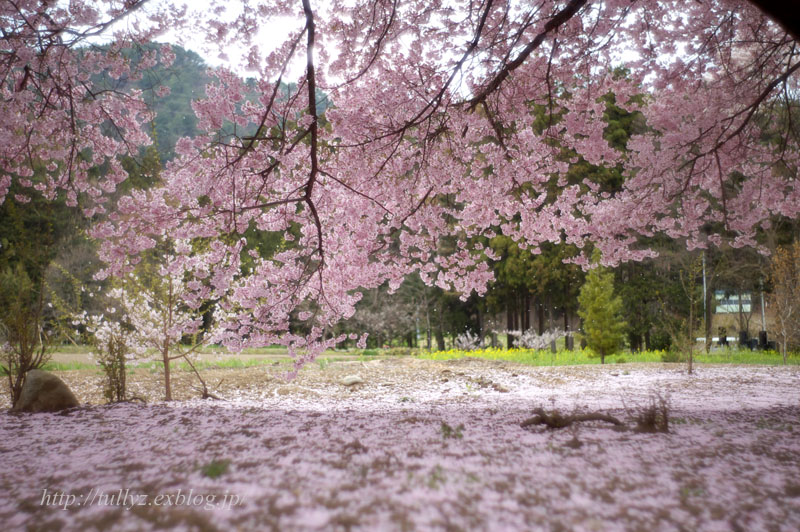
224 363
523 356
215 468
584 356
68 366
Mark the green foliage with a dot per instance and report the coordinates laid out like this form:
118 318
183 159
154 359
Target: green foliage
186 80
541 272
673 356
32 233
24 344
455 433
601 311
582 357
525 279
37 236
642 287
112 355
67 366
660 341
215 468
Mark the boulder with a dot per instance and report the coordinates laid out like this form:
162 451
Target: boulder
44 392
351 380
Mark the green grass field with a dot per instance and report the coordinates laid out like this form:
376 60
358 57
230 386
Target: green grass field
523 356
579 357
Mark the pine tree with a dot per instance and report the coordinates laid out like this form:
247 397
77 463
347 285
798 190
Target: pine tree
601 311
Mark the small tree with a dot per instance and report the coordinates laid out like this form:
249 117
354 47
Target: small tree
114 344
785 297
601 311
688 278
24 343
164 313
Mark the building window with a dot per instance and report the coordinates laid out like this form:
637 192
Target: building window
728 303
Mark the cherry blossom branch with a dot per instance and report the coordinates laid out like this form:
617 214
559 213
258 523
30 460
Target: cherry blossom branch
753 107
552 25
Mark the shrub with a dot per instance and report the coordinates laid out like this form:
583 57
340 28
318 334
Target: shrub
660 341
530 339
112 346
467 341
24 342
113 364
673 355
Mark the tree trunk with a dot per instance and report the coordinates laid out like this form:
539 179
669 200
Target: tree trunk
553 343
516 314
439 340
427 324
541 317
635 339
709 316
165 346
525 314
691 332
783 348
440 331
509 325
481 332
167 385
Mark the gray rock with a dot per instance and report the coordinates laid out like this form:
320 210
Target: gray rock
44 392
350 380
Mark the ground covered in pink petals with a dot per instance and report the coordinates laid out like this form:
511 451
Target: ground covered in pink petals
420 445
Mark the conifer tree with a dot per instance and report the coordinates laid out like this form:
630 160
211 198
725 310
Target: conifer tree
601 311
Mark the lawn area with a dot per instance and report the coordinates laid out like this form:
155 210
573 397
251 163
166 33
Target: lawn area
584 356
78 357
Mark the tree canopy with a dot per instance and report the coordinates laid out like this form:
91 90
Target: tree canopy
448 124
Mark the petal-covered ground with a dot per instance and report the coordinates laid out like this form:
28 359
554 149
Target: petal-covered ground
419 445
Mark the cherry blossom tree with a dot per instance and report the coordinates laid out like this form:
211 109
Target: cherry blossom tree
62 112
162 311
430 144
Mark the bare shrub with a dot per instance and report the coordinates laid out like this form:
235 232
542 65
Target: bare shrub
654 417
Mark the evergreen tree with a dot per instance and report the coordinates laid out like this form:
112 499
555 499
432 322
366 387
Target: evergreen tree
601 311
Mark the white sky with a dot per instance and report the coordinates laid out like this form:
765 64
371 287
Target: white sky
271 35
